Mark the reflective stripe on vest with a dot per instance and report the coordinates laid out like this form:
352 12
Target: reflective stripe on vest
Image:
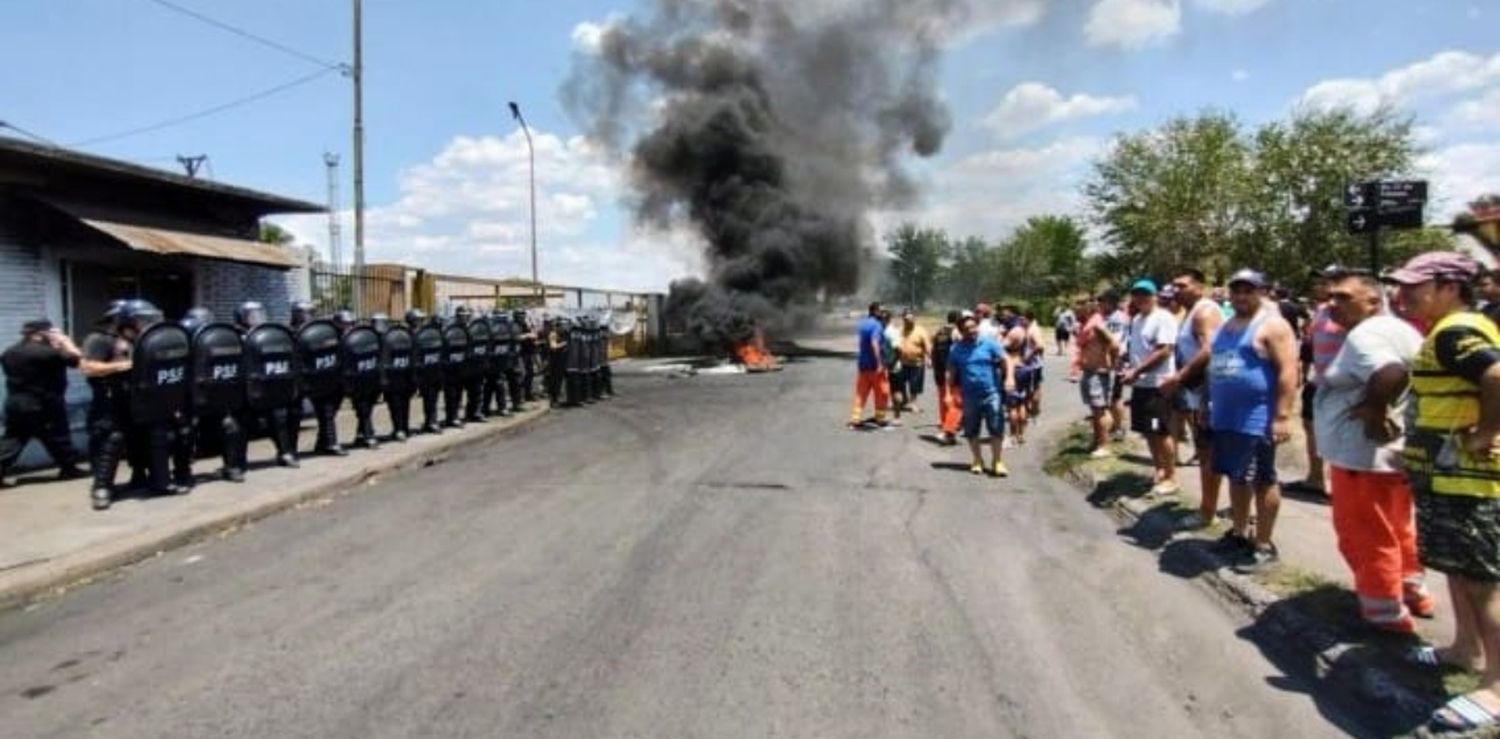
1443 405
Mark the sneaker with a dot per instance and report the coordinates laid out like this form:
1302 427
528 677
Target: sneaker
1117 436
1230 544
999 470
1166 488
1101 453
976 469
948 440
1259 560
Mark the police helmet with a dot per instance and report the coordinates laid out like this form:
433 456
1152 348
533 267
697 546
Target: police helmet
416 318
111 312
249 314
302 312
463 313
344 319
380 322
137 314
196 318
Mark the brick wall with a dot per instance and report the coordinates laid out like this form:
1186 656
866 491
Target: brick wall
222 286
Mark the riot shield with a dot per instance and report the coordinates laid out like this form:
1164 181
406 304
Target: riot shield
159 384
456 352
360 356
318 347
479 346
271 367
428 357
218 369
396 352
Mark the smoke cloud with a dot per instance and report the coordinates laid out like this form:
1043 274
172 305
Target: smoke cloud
772 128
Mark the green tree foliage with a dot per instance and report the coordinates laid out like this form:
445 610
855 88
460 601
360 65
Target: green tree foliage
1204 192
916 260
271 233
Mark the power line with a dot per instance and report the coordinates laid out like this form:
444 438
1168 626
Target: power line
208 111
263 41
27 134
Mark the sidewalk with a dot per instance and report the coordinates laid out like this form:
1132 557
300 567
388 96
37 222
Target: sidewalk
50 538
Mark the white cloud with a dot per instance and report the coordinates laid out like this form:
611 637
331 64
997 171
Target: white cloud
1445 73
1232 7
990 193
1032 106
1460 173
1478 112
1240 75
1132 24
467 211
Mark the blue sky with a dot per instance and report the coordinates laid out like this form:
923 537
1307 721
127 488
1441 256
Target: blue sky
1036 88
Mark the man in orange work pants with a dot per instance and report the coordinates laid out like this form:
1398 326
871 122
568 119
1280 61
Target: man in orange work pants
949 399
873 376
1356 420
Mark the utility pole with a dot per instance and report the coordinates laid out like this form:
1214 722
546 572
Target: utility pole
335 231
359 159
541 295
192 163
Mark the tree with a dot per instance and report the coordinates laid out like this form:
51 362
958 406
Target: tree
1044 257
1174 195
271 233
916 258
1294 202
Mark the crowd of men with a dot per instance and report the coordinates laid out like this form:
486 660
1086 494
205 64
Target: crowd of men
1398 381
987 376
166 392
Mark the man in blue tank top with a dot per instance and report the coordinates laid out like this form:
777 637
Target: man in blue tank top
1252 379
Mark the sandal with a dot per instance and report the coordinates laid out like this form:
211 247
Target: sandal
1462 714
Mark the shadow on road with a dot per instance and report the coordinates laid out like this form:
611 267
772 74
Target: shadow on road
1118 486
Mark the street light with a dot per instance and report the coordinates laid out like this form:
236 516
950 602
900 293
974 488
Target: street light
515 110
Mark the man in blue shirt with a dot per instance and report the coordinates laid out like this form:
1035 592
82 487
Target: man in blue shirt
873 376
973 366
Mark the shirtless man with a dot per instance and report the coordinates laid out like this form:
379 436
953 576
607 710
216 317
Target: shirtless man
1098 354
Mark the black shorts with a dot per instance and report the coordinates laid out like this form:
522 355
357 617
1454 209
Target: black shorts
1150 412
1459 535
1117 391
1064 334
1309 390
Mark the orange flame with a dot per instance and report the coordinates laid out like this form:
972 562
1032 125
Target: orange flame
753 355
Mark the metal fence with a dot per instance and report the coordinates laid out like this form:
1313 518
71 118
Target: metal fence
379 289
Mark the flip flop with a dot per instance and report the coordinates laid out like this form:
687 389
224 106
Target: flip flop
1424 655
1469 714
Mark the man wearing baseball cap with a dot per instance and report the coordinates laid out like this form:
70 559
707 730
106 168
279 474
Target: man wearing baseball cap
1150 349
36 377
1452 459
1252 381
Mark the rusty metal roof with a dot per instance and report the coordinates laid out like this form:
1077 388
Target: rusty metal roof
168 241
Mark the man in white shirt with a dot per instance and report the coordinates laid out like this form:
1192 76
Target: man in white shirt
1358 425
1153 336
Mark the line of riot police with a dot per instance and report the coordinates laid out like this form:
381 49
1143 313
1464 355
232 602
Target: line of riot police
164 391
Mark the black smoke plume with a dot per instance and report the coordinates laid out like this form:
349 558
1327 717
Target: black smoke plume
772 127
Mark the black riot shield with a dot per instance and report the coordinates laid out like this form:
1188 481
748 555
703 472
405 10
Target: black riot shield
456 365
159 384
427 357
577 348
360 357
218 369
271 367
503 335
319 349
479 347
397 349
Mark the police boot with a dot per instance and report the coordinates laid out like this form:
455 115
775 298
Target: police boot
234 450
364 436
106 462
183 452
328 436
284 436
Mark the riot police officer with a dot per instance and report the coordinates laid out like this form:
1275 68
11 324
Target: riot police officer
528 343
427 370
302 311
507 362
494 374
456 369
36 379
397 382
105 362
218 399
360 358
476 366
271 378
322 380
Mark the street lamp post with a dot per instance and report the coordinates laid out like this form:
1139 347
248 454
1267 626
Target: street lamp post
515 110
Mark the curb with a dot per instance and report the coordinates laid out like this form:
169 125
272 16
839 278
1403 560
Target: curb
25 587
1367 692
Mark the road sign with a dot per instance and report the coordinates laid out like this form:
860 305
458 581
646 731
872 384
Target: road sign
1409 216
1402 193
1359 195
1362 221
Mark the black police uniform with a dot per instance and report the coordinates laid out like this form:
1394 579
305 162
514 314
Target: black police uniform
36 380
397 351
108 414
528 355
557 360
427 367
218 414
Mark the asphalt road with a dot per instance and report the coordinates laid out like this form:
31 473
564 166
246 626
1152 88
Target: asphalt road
704 557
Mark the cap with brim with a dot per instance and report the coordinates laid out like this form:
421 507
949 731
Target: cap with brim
1437 265
1144 287
37 326
1330 272
1248 277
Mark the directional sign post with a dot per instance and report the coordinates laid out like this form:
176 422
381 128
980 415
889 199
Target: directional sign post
1383 204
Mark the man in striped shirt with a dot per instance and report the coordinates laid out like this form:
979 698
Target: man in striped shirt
1321 343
